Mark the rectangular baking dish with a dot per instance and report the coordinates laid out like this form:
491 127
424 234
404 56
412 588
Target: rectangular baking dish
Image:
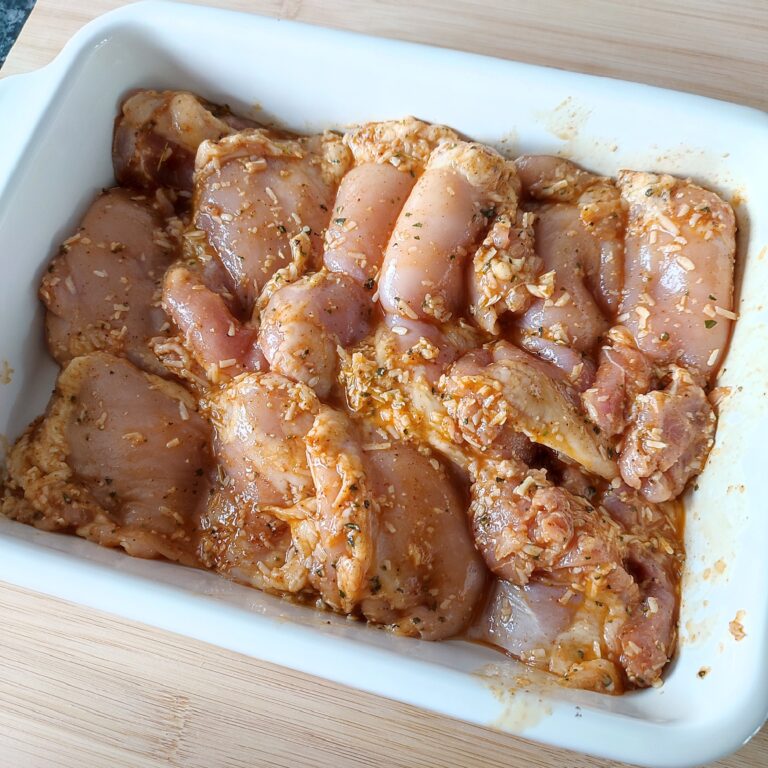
55 131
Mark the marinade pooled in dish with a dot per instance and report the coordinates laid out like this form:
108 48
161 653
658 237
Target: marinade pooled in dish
390 373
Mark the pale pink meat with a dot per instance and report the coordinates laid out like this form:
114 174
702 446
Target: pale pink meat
648 637
638 516
260 420
348 515
253 523
570 316
555 180
453 202
249 545
102 290
669 439
389 157
253 193
525 619
219 343
577 367
368 202
679 261
425 348
304 323
121 457
552 179
623 373
429 578
393 533
523 525
503 270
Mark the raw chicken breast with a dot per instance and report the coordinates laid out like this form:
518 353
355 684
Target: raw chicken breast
393 537
678 294
121 457
157 134
102 290
259 421
669 439
304 323
388 158
253 193
453 202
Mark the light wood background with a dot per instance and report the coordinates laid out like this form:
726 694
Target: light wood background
81 689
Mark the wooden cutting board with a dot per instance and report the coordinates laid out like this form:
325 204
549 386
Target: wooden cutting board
81 689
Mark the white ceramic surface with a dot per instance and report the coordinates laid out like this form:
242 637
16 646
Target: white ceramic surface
55 130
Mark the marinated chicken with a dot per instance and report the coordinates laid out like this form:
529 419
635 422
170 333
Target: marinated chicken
390 373
121 457
253 192
102 289
157 134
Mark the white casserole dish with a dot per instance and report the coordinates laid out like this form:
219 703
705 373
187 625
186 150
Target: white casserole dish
55 133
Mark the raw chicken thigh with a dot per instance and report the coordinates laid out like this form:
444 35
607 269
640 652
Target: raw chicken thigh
157 135
390 373
121 457
102 290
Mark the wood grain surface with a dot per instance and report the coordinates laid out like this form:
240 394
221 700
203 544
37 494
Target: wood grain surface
81 689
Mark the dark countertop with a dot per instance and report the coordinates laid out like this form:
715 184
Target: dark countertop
13 14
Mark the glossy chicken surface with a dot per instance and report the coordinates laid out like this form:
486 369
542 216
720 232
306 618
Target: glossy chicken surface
390 373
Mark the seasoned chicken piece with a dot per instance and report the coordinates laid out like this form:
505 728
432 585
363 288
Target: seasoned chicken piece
423 349
495 438
463 187
250 545
102 290
514 388
254 193
603 213
566 312
405 144
304 323
121 457
644 634
592 590
551 179
157 134
428 578
678 293
391 380
573 367
388 157
221 345
254 526
642 519
393 538
669 438
369 199
502 269
624 373
196 296
527 620
260 420
553 628
523 524
647 638
347 511
299 265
